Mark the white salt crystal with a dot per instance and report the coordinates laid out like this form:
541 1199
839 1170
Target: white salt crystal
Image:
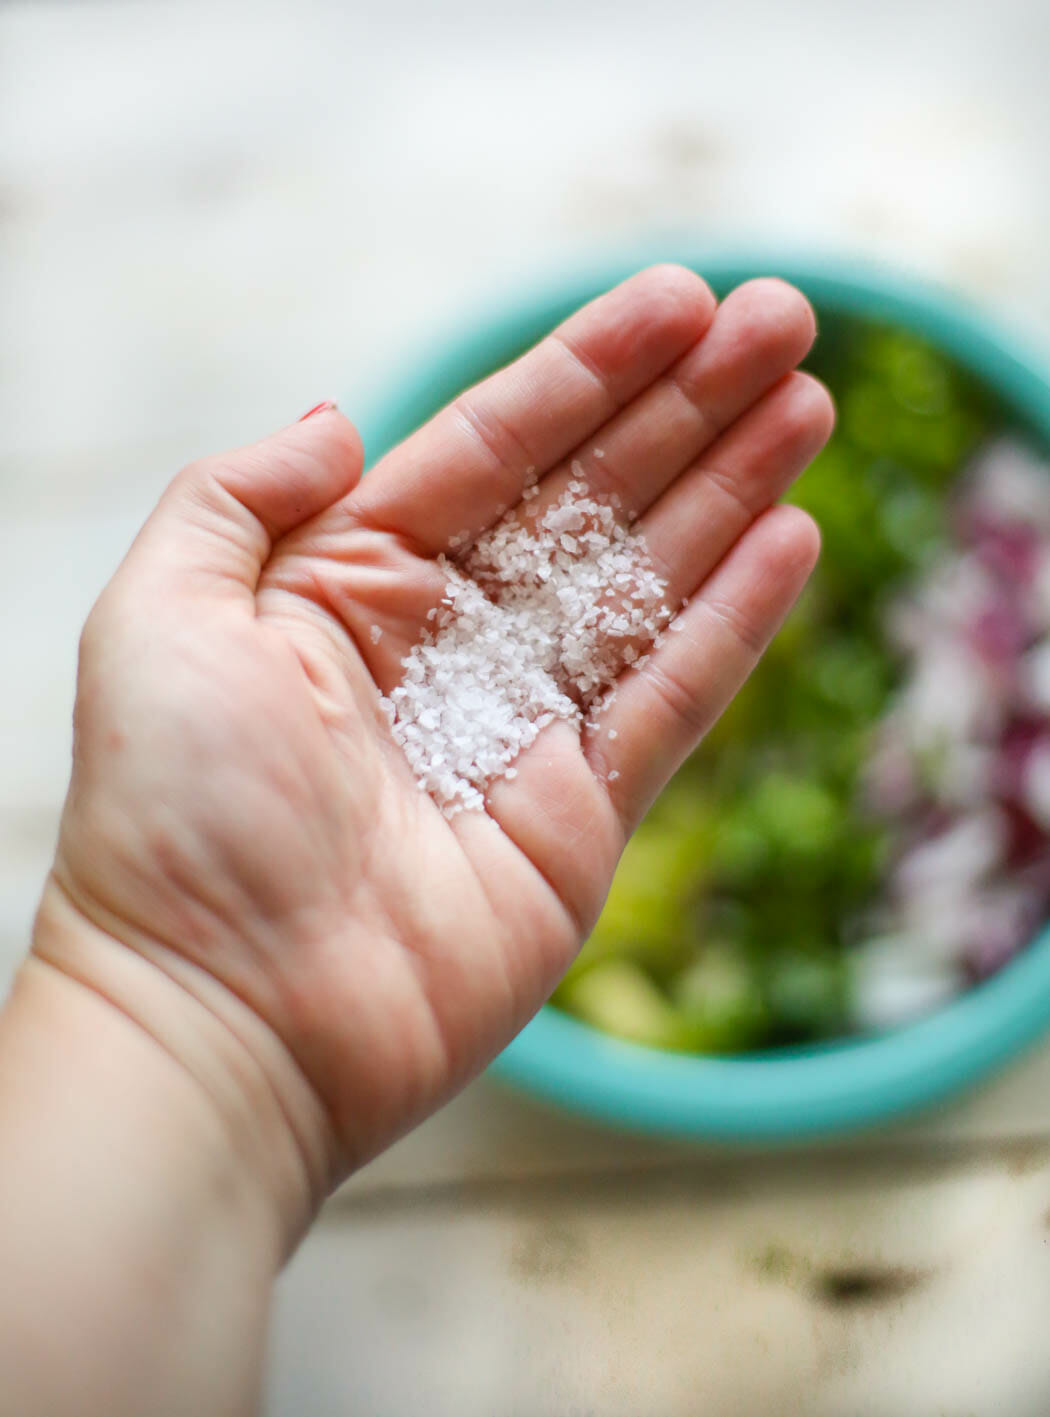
375 634
540 618
613 775
599 453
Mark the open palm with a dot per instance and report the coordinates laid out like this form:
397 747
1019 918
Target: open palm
239 810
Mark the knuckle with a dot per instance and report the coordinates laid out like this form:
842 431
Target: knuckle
193 485
195 473
491 431
687 709
729 485
737 623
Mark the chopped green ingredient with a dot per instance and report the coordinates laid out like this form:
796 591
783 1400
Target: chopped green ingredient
620 998
728 924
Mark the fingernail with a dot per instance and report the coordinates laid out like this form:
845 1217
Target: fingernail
317 408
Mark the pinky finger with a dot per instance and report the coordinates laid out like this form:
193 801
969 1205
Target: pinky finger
661 711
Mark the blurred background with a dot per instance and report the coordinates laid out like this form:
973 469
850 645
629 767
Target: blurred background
214 215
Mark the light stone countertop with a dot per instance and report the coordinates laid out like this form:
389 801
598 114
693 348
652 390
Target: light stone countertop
213 215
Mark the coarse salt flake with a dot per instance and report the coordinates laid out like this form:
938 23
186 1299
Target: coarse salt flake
539 617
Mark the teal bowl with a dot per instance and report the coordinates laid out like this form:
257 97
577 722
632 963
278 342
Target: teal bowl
786 1094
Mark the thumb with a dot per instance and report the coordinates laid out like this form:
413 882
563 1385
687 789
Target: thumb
218 520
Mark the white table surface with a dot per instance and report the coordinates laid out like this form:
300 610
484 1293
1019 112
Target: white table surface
213 215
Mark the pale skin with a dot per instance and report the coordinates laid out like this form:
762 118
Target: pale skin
262 953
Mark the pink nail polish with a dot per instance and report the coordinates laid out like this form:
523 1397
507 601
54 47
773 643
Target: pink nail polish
317 408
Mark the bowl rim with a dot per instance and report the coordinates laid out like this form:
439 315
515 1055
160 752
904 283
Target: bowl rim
829 1088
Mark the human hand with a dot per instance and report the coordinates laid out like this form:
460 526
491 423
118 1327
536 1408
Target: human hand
239 815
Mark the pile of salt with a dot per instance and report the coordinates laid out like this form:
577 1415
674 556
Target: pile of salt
538 618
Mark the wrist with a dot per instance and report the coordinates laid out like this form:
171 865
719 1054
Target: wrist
138 1249
225 1067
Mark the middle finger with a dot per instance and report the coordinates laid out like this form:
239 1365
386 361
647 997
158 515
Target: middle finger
758 334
